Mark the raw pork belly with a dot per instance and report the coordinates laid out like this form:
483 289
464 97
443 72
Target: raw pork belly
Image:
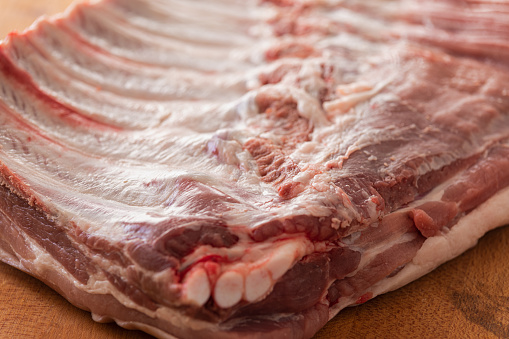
231 169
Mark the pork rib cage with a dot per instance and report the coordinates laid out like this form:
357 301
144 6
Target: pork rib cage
233 169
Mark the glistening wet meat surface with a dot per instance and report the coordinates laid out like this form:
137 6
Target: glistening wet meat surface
235 169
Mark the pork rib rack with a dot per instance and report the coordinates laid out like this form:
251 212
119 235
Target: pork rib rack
246 169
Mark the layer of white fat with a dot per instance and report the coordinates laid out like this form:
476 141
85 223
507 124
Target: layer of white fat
132 101
444 247
434 252
132 200
83 190
134 325
45 265
101 181
164 146
119 37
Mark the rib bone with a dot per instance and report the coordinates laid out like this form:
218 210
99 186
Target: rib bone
258 283
196 288
229 289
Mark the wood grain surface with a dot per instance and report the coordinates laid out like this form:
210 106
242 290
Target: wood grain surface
465 298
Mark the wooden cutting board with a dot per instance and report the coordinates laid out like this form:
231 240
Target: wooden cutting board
465 298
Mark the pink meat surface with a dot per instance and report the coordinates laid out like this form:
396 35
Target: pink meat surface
247 169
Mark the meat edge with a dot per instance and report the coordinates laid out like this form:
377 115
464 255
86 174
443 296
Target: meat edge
434 252
103 306
437 250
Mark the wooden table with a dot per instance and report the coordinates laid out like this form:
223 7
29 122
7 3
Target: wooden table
465 298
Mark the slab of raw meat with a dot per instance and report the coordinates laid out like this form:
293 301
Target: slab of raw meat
230 169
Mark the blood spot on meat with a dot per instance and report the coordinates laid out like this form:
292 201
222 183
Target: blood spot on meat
364 298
